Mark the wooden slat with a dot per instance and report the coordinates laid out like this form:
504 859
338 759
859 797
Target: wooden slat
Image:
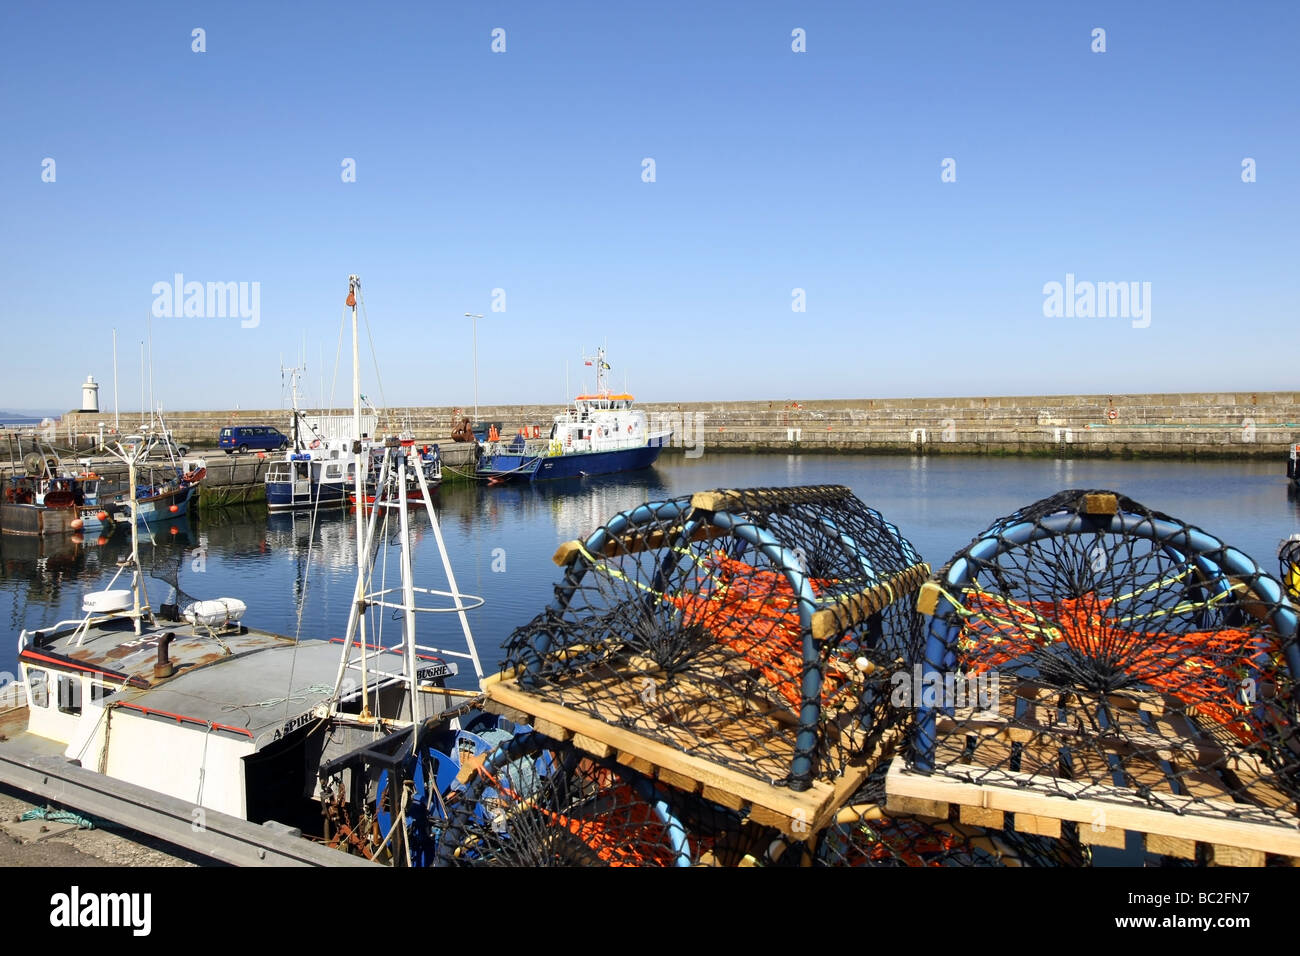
1042 826
1199 821
722 500
637 541
980 817
851 609
1093 834
781 800
1177 847
724 798
679 781
597 748
1103 504
899 805
1222 855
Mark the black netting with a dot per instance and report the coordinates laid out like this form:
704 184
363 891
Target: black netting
864 833
755 629
1288 559
1088 646
538 802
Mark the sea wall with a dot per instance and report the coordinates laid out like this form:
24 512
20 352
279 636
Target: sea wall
1176 425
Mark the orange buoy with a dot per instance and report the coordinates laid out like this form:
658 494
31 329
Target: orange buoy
102 516
173 509
77 524
77 539
175 530
101 541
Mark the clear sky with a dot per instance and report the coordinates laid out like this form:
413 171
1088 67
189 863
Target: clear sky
774 170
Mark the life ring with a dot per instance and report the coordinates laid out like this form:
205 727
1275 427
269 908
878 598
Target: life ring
316 443
629 429
1112 414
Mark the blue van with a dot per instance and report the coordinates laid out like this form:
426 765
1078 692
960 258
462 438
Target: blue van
251 438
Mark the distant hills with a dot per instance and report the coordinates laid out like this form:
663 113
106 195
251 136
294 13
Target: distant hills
10 414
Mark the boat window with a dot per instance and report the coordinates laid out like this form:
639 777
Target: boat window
37 690
100 692
69 695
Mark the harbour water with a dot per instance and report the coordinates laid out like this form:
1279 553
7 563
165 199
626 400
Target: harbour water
297 579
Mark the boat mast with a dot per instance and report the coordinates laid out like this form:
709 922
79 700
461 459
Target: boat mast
359 485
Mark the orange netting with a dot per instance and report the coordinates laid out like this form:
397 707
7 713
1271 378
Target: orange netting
627 831
756 613
1203 669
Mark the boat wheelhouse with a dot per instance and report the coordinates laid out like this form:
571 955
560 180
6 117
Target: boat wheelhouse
314 478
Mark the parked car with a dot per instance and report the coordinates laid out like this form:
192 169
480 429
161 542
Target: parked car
244 438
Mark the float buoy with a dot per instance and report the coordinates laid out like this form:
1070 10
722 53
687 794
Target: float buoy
173 509
102 516
77 524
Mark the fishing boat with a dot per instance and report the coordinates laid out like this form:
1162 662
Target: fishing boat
316 477
599 434
63 502
316 469
427 458
162 497
189 703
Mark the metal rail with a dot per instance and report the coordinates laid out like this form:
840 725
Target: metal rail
214 834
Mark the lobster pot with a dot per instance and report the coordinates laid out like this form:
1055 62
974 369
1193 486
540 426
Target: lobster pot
1091 661
742 642
536 801
1288 559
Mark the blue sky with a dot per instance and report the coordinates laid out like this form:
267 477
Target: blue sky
775 170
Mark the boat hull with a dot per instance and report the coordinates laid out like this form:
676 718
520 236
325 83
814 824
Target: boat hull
288 495
505 466
159 508
37 520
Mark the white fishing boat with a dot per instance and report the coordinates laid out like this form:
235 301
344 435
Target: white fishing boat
601 433
190 704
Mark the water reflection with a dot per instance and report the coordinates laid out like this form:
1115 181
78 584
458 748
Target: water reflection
297 576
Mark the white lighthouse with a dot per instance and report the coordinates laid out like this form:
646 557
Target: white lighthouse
90 395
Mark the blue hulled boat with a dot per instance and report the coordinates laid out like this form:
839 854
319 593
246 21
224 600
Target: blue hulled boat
599 434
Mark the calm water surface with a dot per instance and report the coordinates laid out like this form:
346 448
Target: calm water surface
297 579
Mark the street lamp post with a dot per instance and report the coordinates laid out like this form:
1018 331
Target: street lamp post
475 316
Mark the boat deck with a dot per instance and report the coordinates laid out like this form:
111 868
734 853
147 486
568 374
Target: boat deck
265 681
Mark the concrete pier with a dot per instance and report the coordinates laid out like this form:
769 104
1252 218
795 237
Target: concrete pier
1176 425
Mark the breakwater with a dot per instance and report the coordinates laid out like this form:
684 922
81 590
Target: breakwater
1170 425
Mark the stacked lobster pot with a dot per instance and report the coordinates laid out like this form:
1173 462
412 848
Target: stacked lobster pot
711 685
1129 682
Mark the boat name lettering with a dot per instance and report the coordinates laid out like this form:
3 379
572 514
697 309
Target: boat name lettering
302 720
